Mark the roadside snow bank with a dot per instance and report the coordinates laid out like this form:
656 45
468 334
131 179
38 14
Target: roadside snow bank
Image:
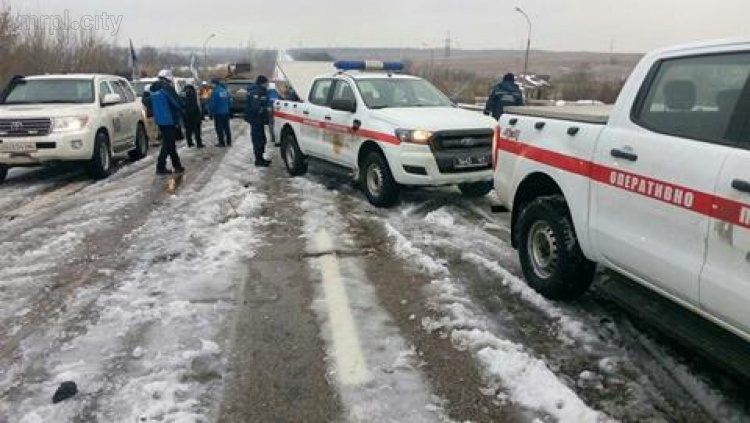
508 368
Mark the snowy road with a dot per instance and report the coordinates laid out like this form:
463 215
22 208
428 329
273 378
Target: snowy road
240 295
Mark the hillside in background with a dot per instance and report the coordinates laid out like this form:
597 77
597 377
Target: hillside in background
494 63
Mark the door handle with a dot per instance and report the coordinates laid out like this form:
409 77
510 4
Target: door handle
327 118
742 186
625 155
305 113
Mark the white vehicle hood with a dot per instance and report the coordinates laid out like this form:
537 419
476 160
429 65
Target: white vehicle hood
21 111
434 118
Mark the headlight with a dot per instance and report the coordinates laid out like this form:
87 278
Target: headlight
69 123
414 136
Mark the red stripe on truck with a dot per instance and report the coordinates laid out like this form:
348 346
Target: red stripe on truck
361 133
707 204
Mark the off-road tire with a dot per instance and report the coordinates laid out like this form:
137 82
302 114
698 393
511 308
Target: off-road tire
572 273
100 165
388 192
294 160
476 189
141 144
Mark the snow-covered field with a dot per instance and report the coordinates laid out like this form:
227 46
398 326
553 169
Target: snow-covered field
132 287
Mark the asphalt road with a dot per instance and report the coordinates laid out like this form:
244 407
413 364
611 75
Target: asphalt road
237 294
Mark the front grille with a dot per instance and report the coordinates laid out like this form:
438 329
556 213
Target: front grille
10 128
462 140
454 149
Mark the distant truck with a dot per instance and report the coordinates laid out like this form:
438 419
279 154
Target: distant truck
656 189
386 129
91 119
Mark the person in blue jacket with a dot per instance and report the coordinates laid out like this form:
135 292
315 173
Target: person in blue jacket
505 94
167 115
220 108
257 115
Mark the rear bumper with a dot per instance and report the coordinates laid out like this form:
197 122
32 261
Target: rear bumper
50 148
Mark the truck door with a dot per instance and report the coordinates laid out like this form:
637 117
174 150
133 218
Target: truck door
131 114
725 284
313 117
114 115
656 169
339 135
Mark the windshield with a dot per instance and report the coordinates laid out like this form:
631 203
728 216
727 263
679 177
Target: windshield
140 87
382 93
46 91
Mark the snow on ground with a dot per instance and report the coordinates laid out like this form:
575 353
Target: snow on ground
153 349
514 373
389 387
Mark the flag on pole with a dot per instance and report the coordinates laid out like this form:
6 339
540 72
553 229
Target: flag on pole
194 68
133 63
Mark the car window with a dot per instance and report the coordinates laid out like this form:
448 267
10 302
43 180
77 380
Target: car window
320 91
117 89
129 94
343 91
104 90
696 97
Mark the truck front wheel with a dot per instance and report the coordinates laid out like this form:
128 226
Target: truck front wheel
141 144
294 160
377 181
476 189
550 254
100 165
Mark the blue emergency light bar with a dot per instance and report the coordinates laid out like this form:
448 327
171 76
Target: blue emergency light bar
366 65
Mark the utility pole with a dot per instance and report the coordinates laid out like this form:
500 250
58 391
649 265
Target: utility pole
205 53
448 44
528 41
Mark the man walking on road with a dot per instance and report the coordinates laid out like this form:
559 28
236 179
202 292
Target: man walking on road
220 106
257 115
505 94
167 115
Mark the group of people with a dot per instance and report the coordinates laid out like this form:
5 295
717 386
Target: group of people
172 113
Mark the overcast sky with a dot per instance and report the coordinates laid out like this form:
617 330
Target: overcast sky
563 25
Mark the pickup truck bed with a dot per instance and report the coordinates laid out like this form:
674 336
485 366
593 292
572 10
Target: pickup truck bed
587 114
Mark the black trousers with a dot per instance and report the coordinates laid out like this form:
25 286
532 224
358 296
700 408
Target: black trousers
223 130
193 130
259 141
168 148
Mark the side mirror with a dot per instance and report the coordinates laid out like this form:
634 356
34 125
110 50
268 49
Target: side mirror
111 99
344 105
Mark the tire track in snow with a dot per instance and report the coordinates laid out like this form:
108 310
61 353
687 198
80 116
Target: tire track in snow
391 389
73 318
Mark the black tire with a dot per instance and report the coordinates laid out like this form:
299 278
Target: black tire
294 160
3 173
377 181
550 254
100 165
141 144
476 189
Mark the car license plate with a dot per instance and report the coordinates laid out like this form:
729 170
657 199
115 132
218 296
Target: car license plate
471 162
17 147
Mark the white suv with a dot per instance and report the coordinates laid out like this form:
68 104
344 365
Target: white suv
60 118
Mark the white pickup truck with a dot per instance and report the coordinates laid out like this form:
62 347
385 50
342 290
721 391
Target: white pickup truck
656 189
389 130
60 118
